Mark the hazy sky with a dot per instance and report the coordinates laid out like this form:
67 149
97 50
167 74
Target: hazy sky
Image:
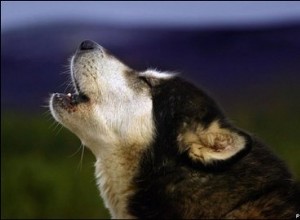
14 14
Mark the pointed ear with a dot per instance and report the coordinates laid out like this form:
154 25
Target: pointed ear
211 144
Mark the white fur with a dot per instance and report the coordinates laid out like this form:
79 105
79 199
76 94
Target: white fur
108 123
158 75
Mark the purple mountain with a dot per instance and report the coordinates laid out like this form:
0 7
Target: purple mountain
226 61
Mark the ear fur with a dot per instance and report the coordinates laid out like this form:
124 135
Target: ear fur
211 144
153 77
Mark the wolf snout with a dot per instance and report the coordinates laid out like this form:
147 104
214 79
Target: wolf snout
88 45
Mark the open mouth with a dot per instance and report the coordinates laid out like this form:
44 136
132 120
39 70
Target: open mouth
71 100
77 98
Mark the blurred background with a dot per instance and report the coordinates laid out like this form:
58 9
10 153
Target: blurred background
245 54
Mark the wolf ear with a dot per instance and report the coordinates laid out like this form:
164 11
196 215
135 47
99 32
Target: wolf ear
211 144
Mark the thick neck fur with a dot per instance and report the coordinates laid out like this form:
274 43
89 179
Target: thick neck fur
115 169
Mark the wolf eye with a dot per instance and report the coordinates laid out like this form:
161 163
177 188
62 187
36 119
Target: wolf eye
146 80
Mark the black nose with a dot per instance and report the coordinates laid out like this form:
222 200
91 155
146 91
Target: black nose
88 45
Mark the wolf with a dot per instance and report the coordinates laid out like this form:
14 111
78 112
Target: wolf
165 149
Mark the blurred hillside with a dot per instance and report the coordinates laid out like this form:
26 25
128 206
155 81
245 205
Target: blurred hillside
225 61
253 73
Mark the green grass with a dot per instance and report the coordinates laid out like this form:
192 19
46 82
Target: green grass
40 178
277 129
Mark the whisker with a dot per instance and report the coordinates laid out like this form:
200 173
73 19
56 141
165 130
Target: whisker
47 115
54 125
45 106
65 83
66 72
70 85
81 157
73 154
47 112
59 129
